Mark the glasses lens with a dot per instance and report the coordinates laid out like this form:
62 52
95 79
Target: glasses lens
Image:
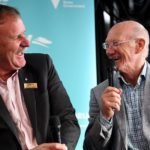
113 44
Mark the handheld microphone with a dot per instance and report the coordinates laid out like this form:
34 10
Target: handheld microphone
111 71
55 127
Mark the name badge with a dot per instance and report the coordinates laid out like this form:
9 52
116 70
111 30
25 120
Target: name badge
30 85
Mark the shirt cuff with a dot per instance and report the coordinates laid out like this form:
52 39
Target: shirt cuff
105 123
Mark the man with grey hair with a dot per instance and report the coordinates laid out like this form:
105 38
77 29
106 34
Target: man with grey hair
119 114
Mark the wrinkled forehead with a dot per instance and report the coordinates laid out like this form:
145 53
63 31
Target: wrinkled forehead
9 21
12 26
8 17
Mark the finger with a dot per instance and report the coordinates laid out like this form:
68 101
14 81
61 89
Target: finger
113 89
115 107
113 94
60 146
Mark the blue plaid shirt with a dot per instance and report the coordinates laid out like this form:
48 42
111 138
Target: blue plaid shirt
133 97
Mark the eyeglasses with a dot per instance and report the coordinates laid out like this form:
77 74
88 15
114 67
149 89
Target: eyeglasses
113 44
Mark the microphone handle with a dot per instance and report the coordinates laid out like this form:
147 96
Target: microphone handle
110 72
111 77
59 136
55 128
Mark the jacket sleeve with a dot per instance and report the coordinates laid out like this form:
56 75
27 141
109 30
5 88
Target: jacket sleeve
60 105
96 136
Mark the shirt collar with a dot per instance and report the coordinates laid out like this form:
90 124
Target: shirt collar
142 75
12 76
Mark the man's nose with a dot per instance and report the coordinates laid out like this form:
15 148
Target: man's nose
110 50
25 42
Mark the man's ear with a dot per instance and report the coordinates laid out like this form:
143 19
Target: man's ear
140 43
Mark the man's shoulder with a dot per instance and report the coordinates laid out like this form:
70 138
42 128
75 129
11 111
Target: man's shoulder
101 86
38 61
35 55
37 58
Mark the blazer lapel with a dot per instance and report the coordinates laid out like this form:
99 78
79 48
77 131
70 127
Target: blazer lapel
121 121
28 90
4 114
121 117
146 106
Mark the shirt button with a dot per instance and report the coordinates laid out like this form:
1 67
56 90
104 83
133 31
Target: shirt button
139 127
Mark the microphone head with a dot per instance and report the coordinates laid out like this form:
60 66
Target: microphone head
55 121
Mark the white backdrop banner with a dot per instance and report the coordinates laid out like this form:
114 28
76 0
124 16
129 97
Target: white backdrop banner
65 30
